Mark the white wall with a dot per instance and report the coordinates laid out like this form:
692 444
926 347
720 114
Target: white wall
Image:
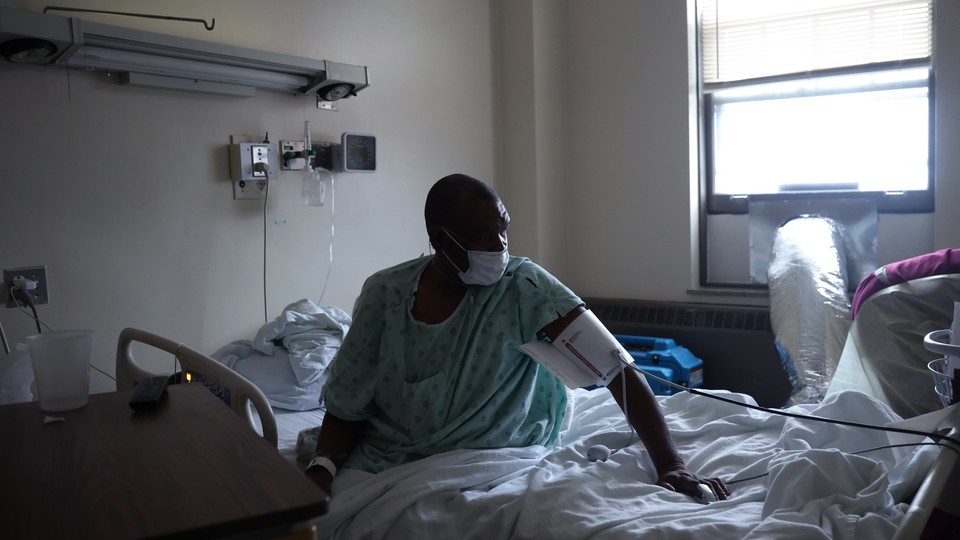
628 167
532 133
947 58
124 193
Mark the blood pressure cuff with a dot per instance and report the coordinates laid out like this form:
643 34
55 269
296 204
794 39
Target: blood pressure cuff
585 353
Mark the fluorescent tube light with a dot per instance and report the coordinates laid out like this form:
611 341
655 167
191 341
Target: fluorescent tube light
164 61
187 85
126 61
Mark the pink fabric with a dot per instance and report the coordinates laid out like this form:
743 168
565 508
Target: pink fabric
945 261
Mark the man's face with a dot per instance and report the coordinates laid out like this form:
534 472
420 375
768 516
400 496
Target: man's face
481 225
478 225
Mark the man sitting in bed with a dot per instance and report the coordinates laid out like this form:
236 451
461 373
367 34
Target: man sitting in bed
432 361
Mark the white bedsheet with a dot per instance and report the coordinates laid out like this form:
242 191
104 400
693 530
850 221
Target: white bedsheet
814 490
289 424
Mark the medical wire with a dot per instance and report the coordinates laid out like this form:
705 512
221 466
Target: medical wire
626 408
266 197
118 381
935 436
333 204
33 308
3 338
884 447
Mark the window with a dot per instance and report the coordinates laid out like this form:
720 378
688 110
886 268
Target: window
817 98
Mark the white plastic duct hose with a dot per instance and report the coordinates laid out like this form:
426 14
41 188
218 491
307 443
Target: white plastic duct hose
809 306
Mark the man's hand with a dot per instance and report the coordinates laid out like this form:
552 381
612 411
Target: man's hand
322 478
686 482
336 439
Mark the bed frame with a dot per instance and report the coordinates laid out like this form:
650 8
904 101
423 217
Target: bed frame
935 490
236 392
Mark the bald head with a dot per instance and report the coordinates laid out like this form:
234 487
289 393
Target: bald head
448 193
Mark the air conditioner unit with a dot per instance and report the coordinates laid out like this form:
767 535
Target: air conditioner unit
165 61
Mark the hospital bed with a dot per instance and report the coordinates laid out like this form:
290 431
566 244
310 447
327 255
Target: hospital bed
789 477
816 486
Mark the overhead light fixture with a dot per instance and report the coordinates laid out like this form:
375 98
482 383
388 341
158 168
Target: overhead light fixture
165 61
27 50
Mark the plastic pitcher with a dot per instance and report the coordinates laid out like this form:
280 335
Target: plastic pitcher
61 367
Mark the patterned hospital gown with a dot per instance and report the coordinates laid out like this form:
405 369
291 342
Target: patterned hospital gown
463 383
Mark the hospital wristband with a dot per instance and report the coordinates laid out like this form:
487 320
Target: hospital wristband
322 461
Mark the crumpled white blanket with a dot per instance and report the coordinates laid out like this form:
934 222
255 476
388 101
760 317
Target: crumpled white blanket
816 487
311 334
289 356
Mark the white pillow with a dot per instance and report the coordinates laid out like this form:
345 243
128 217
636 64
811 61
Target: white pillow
274 377
272 374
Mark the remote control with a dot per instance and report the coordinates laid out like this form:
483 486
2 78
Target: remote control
148 392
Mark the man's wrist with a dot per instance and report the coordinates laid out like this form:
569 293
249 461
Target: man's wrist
670 466
322 462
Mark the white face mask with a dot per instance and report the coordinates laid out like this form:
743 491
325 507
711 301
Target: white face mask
485 267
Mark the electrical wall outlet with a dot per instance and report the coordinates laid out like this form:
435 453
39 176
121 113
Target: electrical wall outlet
244 158
259 153
250 189
40 295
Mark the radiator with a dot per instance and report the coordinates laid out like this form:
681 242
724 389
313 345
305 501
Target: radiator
736 343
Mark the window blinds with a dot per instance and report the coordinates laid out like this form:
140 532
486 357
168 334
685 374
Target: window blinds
747 39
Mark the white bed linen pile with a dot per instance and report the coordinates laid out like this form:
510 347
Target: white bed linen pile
288 358
814 490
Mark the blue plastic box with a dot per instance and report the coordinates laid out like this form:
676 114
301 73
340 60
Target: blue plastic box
665 359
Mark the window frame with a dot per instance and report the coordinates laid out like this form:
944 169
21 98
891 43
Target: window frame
908 201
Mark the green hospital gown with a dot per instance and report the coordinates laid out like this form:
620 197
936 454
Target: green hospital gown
463 383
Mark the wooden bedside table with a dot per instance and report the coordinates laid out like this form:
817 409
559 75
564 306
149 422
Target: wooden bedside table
191 467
